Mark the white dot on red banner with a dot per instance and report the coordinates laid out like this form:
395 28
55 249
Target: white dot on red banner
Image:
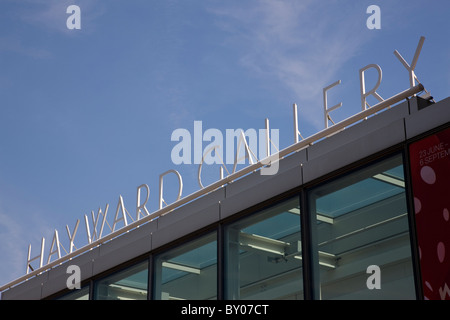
428 285
441 251
428 175
446 214
417 205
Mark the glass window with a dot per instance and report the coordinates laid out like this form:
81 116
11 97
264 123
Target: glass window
263 255
360 220
188 271
75 294
128 284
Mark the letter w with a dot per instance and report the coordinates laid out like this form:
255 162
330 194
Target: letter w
445 292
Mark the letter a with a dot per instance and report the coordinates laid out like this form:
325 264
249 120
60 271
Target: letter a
374 281
374 21
73 281
74 21
181 153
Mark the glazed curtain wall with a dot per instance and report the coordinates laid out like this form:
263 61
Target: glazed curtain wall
188 272
263 254
356 220
361 220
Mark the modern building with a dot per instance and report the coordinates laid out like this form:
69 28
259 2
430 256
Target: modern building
360 214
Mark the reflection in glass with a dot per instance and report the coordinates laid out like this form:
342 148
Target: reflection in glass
361 220
76 294
263 254
188 271
128 284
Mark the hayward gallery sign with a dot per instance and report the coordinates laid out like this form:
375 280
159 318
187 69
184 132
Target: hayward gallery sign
98 223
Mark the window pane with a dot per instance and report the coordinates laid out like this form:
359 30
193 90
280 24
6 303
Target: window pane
263 255
361 220
129 284
188 271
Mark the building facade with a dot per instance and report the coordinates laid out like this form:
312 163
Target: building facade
361 214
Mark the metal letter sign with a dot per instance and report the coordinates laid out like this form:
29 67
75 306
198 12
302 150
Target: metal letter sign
267 166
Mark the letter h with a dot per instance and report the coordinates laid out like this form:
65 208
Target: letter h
40 257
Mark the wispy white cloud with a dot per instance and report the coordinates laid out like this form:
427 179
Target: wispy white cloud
302 44
15 236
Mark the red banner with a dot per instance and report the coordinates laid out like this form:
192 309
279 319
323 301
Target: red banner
430 169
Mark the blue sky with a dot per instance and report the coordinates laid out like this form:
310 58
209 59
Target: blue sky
87 115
